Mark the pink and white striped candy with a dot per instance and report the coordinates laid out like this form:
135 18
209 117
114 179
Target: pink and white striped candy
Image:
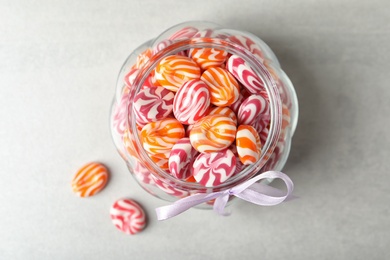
236 105
152 104
181 159
244 73
248 44
212 169
142 173
191 102
128 216
132 74
119 115
163 44
184 33
169 189
239 165
251 109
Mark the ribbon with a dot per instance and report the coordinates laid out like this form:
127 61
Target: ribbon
257 193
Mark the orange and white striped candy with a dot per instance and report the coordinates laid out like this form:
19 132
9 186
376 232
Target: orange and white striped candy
90 179
160 136
213 133
143 58
224 88
208 57
173 71
248 144
223 111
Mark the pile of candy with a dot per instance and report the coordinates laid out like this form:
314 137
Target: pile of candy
202 114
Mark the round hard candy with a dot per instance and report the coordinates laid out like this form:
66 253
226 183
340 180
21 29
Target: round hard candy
152 104
236 105
128 216
223 111
191 102
212 169
208 57
90 179
248 44
159 137
181 159
213 133
224 88
244 74
173 71
251 109
248 144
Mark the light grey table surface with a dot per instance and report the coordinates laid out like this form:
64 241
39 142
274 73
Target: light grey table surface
59 61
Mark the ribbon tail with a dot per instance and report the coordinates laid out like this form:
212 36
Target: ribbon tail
220 204
178 207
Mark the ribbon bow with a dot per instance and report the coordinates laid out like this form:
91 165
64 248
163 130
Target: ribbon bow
250 190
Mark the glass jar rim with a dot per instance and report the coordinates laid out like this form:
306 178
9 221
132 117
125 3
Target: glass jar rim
269 85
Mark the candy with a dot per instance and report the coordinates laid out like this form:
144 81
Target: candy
212 169
213 133
173 71
119 117
224 88
132 74
181 159
130 144
163 44
169 189
128 216
159 137
143 58
248 44
243 73
192 102
90 179
184 33
142 173
251 109
248 144
236 105
239 165
208 57
152 104
223 111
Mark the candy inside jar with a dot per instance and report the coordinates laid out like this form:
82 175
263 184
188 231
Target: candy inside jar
207 108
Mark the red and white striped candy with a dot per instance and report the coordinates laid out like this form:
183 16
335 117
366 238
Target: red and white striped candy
264 135
236 105
208 57
248 144
143 58
174 70
132 74
248 44
168 189
251 109
244 73
224 88
206 33
181 159
223 111
128 216
152 104
163 44
239 165
142 173
184 33
119 117
212 169
90 179
191 102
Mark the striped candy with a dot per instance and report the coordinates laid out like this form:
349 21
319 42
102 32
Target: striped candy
244 73
213 133
184 33
208 57
251 109
119 117
224 88
223 111
239 165
165 43
192 102
212 169
181 159
173 71
248 44
152 104
236 105
159 137
130 144
143 58
161 160
90 179
142 173
128 216
248 144
169 189
132 74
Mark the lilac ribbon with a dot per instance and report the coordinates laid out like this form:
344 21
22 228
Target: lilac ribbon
250 190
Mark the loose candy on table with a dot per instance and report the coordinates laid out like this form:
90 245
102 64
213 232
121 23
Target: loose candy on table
159 137
90 179
212 169
191 102
174 70
244 74
248 144
251 109
152 104
208 57
223 111
213 133
224 88
128 216
181 158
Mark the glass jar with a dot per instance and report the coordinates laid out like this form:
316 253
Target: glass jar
137 74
